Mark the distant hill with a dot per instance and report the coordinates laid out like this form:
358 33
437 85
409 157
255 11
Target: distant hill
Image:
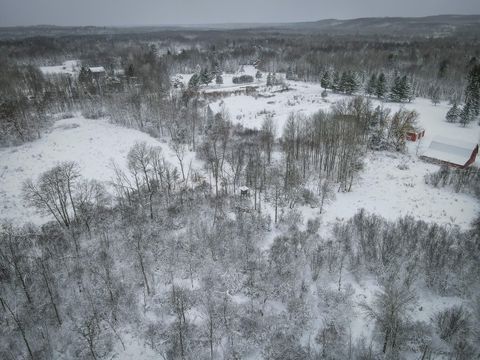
439 26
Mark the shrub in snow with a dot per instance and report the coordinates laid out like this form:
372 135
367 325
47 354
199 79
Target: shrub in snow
243 79
292 218
452 323
93 113
462 180
284 346
309 198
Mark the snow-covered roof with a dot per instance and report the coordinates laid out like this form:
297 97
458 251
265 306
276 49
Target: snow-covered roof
450 150
97 69
67 67
244 188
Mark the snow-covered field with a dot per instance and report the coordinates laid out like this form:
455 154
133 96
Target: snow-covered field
93 144
228 84
71 67
305 98
391 184
388 189
249 111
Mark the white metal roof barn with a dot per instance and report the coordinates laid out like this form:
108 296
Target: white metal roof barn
453 152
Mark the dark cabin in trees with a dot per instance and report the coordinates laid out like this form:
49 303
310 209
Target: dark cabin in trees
452 152
244 191
98 72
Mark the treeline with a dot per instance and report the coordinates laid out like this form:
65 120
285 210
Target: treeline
461 180
439 63
29 100
138 73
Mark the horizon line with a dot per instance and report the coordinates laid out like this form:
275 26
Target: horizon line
246 23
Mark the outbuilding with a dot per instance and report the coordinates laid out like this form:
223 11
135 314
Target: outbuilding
415 135
244 191
98 71
452 152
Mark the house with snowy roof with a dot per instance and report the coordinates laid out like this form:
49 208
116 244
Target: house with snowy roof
98 72
452 152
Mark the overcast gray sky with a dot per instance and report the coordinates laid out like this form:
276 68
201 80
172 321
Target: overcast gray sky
160 12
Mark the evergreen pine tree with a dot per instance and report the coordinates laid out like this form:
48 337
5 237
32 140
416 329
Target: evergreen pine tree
453 114
343 82
219 79
85 76
130 72
205 77
274 79
396 91
401 89
194 81
371 85
336 82
376 129
351 82
407 91
466 115
326 81
381 86
258 75
472 91
269 79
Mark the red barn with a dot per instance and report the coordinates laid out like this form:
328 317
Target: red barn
415 135
452 152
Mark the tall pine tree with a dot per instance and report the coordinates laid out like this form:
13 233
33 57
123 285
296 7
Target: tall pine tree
381 86
466 115
401 90
453 114
396 91
371 85
350 82
326 81
472 91
336 82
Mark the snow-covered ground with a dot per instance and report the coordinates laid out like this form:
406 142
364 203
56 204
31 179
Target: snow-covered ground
249 111
93 144
71 67
388 189
305 98
391 184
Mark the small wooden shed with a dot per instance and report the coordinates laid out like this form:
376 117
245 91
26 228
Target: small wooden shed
244 191
415 135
